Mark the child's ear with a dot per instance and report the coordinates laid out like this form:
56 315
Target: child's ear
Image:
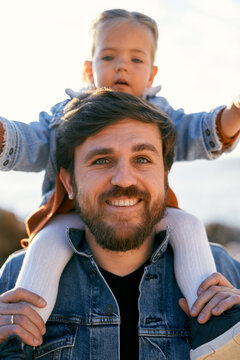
88 71
152 75
66 180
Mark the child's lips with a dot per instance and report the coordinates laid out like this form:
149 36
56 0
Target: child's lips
121 82
121 86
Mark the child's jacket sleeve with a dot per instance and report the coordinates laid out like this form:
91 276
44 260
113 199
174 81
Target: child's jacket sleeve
197 134
27 147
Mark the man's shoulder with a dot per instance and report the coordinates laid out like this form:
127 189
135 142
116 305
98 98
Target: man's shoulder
17 257
226 264
10 270
220 252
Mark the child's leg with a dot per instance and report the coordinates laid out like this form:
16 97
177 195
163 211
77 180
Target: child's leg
193 260
46 258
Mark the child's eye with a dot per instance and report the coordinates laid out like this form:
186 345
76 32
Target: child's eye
136 60
108 58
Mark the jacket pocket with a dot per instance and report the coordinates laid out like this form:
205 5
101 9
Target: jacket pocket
58 341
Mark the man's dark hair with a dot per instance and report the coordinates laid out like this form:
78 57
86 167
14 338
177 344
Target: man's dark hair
88 116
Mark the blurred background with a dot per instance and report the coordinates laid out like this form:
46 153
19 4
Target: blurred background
43 46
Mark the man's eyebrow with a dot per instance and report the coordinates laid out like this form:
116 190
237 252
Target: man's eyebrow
109 151
142 147
98 151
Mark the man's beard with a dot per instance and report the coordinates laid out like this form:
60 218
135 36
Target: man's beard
126 236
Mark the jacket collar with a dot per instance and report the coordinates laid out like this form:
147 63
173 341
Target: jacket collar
76 239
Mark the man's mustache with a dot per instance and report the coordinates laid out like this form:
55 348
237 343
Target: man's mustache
131 192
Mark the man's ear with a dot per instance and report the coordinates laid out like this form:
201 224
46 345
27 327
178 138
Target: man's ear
66 180
152 75
88 71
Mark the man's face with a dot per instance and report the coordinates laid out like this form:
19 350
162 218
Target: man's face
120 184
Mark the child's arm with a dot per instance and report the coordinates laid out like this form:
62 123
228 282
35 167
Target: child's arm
25 147
198 133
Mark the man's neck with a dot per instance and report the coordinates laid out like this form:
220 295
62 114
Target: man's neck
120 263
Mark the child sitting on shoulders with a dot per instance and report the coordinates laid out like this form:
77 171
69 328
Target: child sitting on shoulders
123 51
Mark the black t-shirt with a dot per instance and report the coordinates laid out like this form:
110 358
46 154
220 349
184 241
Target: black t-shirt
126 292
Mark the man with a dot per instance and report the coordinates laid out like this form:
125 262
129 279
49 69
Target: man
114 152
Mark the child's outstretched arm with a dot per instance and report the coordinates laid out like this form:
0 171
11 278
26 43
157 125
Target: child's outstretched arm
46 257
203 135
26 147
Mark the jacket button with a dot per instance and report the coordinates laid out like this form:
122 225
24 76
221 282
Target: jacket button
208 132
11 151
5 163
211 143
108 309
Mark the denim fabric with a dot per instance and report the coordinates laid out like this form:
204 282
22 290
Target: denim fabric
85 321
31 147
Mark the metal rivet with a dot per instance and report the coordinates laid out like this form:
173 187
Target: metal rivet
108 309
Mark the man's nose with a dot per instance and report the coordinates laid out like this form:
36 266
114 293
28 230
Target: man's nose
123 176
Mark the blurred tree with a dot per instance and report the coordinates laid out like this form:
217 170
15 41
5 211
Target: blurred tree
12 231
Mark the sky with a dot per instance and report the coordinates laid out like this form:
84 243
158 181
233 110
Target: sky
45 42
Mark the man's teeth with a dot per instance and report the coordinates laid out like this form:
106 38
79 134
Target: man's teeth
127 202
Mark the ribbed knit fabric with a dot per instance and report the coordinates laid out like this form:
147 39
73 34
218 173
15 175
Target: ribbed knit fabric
193 260
46 259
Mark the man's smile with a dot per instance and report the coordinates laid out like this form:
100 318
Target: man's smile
123 202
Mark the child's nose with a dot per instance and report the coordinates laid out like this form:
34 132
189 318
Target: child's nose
121 66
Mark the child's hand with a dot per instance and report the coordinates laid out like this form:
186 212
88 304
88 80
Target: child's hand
215 295
230 119
19 318
236 102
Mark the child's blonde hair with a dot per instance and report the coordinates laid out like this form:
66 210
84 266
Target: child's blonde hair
110 16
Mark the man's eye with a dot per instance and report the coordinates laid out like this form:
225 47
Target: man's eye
136 60
142 160
101 161
107 58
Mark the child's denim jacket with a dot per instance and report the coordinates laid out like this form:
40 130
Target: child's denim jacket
85 322
32 147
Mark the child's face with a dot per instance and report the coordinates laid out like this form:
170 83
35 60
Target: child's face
123 58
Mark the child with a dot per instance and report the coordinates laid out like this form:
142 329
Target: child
124 45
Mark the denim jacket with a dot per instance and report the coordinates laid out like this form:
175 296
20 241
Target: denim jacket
85 322
32 147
